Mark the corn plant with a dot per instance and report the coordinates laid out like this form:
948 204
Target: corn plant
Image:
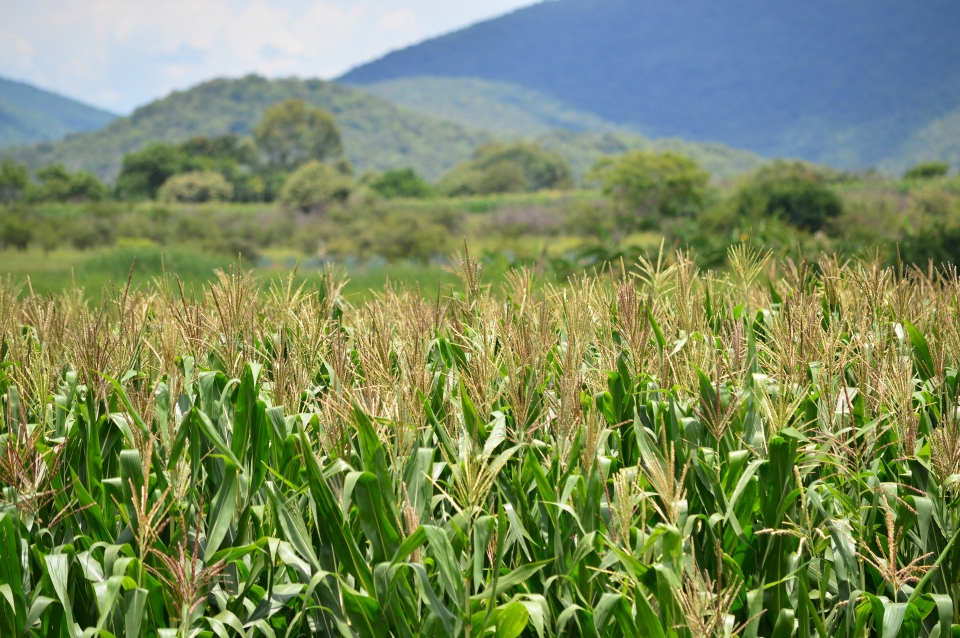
769 451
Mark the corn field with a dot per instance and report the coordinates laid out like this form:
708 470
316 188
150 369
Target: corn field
654 451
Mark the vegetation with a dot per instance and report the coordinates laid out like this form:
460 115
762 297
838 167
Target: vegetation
14 179
856 86
376 135
29 115
401 182
795 192
663 453
315 185
291 134
196 187
57 184
927 170
500 107
646 186
508 168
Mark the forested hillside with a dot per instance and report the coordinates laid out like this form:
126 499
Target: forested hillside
376 133
853 83
29 114
494 106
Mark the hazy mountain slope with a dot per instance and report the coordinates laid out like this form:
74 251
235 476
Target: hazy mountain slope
844 81
29 114
940 139
376 133
584 148
481 104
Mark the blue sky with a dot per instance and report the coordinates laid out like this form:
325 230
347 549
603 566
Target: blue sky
119 54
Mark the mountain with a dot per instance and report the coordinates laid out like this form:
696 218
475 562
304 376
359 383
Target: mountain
848 82
376 133
29 114
494 106
511 110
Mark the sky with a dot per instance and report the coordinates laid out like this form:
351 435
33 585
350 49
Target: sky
120 54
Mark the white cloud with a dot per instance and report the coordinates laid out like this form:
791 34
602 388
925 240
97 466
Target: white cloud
121 53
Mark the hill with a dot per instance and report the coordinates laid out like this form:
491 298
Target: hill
846 82
376 133
584 148
29 114
494 106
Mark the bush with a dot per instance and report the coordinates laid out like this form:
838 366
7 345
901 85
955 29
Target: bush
315 185
927 170
402 182
793 191
197 187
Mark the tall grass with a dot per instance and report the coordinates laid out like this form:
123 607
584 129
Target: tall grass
661 452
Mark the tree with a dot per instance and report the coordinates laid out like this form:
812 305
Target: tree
16 229
292 133
197 187
14 179
57 184
793 191
502 168
927 170
314 185
542 169
503 176
144 172
402 182
647 184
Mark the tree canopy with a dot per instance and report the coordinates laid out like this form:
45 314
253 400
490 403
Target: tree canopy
508 168
292 133
646 183
796 192
402 182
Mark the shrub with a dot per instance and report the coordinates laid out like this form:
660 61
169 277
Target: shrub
313 186
793 191
402 182
197 187
927 170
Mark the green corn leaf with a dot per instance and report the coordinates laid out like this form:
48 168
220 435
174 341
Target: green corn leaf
511 620
379 530
921 352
